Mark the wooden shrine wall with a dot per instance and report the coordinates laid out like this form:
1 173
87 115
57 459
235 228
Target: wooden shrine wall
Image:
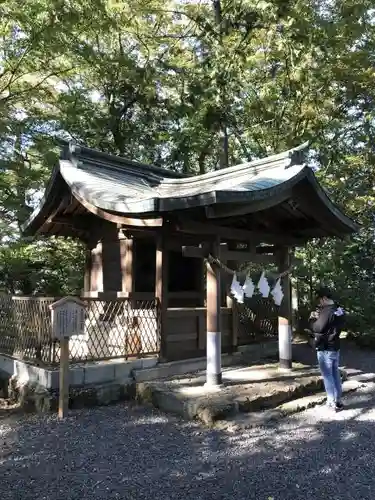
186 332
105 267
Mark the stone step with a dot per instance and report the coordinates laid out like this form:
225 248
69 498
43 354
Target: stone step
245 389
243 421
360 376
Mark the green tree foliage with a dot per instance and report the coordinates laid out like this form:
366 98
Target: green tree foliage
192 86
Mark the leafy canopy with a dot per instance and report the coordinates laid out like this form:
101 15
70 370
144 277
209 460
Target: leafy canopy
192 86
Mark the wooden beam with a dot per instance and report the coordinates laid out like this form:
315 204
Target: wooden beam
266 249
230 233
178 240
63 221
64 203
250 247
74 221
195 252
313 207
119 219
202 252
248 257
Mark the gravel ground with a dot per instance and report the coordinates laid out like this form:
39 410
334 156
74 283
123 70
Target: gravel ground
129 452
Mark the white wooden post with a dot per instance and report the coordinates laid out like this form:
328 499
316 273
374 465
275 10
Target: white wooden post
285 314
213 371
68 318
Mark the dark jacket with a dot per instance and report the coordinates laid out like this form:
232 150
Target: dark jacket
327 328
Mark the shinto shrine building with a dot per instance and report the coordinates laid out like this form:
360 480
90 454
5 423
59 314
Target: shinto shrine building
148 230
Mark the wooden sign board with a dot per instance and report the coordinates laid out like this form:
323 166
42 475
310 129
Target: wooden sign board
68 317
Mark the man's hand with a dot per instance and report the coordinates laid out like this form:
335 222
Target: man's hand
314 315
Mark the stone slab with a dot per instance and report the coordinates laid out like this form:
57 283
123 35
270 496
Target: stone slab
245 355
76 377
122 371
148 363
98 374
245 389
116 370
7 365
165 370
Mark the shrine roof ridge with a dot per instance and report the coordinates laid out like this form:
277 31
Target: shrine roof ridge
118 185
78 154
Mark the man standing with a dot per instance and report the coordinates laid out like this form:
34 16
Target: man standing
326 324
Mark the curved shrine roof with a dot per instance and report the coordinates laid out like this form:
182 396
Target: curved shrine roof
116 185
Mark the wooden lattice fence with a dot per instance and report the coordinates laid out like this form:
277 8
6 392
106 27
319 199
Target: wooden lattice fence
257 320
120 328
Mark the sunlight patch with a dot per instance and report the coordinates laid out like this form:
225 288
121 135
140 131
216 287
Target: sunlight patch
347 435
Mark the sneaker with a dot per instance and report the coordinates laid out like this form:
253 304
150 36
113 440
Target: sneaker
339 406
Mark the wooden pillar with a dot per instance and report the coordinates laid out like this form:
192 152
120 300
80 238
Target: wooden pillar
294 303
230 302
111 258
161 288
235 323
97 268
285 313
87 277
201 286
223 294
213 375
127 264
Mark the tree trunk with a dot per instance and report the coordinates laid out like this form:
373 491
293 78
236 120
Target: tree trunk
216 4
224 147
223 139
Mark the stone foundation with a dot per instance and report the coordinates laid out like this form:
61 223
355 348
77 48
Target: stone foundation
36 388
32 397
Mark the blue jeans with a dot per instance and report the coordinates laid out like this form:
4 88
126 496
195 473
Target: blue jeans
329 368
